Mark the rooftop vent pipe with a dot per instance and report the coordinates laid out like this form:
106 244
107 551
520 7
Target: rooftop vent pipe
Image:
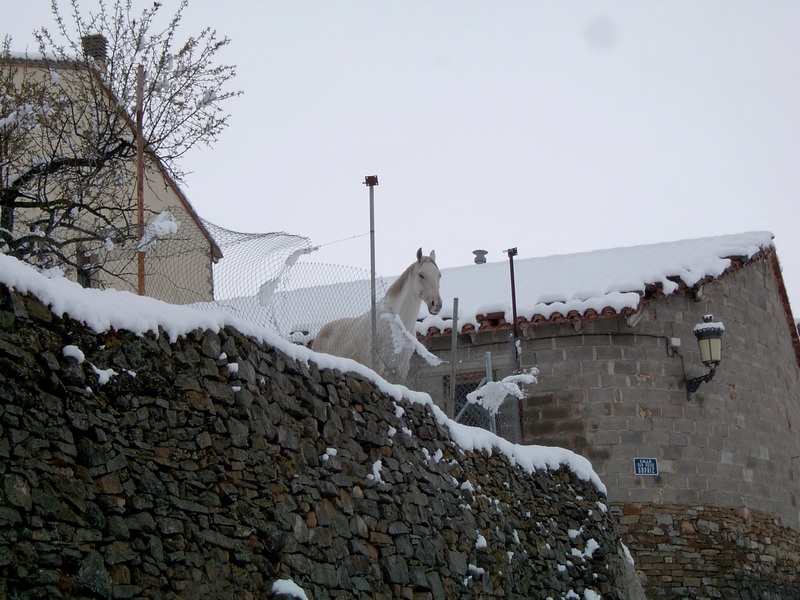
480 256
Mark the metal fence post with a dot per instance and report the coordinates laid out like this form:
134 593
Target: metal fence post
515 354
371 181
451 405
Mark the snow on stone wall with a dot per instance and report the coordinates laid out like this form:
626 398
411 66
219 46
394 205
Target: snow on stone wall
211 464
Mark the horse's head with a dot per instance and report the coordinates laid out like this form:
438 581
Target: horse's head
426 281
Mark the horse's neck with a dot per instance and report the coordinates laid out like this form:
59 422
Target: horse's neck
405 306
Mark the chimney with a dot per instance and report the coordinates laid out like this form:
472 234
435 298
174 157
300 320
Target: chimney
95 46
480 256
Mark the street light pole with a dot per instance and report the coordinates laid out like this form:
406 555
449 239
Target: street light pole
371 181
512 252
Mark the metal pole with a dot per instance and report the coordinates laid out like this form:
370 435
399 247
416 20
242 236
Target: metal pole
140 176
490 377
451 407
371 181
512 252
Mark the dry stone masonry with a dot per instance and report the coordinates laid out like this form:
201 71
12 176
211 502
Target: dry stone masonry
707 551
212 467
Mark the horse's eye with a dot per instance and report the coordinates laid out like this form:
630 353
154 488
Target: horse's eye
422 275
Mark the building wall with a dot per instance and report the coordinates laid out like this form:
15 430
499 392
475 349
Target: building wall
613 390
704 551
179 269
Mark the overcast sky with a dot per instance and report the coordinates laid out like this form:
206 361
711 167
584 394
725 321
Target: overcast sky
553 127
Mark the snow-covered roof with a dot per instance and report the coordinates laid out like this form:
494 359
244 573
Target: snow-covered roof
597 282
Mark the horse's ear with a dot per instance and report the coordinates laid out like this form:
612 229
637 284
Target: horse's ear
433 255
419 255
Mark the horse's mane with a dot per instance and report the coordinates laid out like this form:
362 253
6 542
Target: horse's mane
394 289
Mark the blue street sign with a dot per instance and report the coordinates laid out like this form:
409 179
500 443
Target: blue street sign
645 466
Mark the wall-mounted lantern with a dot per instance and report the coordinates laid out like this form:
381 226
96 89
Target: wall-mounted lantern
709 340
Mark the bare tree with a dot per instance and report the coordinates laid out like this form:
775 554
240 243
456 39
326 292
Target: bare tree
67 129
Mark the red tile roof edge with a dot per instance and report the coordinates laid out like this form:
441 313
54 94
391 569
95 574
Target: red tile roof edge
497 321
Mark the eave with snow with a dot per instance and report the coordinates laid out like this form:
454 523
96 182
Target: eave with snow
611 283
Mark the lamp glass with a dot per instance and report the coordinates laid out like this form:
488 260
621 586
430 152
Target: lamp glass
710 350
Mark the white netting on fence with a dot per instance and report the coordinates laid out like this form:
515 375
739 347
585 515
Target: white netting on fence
266 278
251 260
495 405
313 294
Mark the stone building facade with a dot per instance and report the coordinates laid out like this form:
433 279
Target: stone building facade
612 387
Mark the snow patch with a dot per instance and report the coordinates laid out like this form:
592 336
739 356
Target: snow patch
376 472
163 225
627 554
492 394
289 587
480 543
103 375
71 351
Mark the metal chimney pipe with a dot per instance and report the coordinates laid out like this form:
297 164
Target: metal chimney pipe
95 46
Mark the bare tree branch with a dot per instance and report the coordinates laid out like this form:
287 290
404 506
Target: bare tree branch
67 138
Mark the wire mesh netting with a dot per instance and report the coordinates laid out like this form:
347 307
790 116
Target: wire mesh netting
177 258
503 419
261 279
253 266
266 279
174 264
313 294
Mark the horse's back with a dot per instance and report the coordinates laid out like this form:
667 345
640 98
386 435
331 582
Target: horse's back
325 339
342 338
352 338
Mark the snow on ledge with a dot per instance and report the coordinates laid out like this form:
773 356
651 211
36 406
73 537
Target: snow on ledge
104 310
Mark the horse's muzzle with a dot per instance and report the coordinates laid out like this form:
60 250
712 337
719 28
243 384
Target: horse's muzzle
434 307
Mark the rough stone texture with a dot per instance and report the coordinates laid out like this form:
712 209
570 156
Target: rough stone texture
211 467
612 389
709 552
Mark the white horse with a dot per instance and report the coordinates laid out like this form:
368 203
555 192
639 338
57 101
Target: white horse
397 313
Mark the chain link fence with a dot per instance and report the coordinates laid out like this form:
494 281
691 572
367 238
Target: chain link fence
479 400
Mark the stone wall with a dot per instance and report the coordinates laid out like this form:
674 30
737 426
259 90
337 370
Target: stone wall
612 389
214 466
705 552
